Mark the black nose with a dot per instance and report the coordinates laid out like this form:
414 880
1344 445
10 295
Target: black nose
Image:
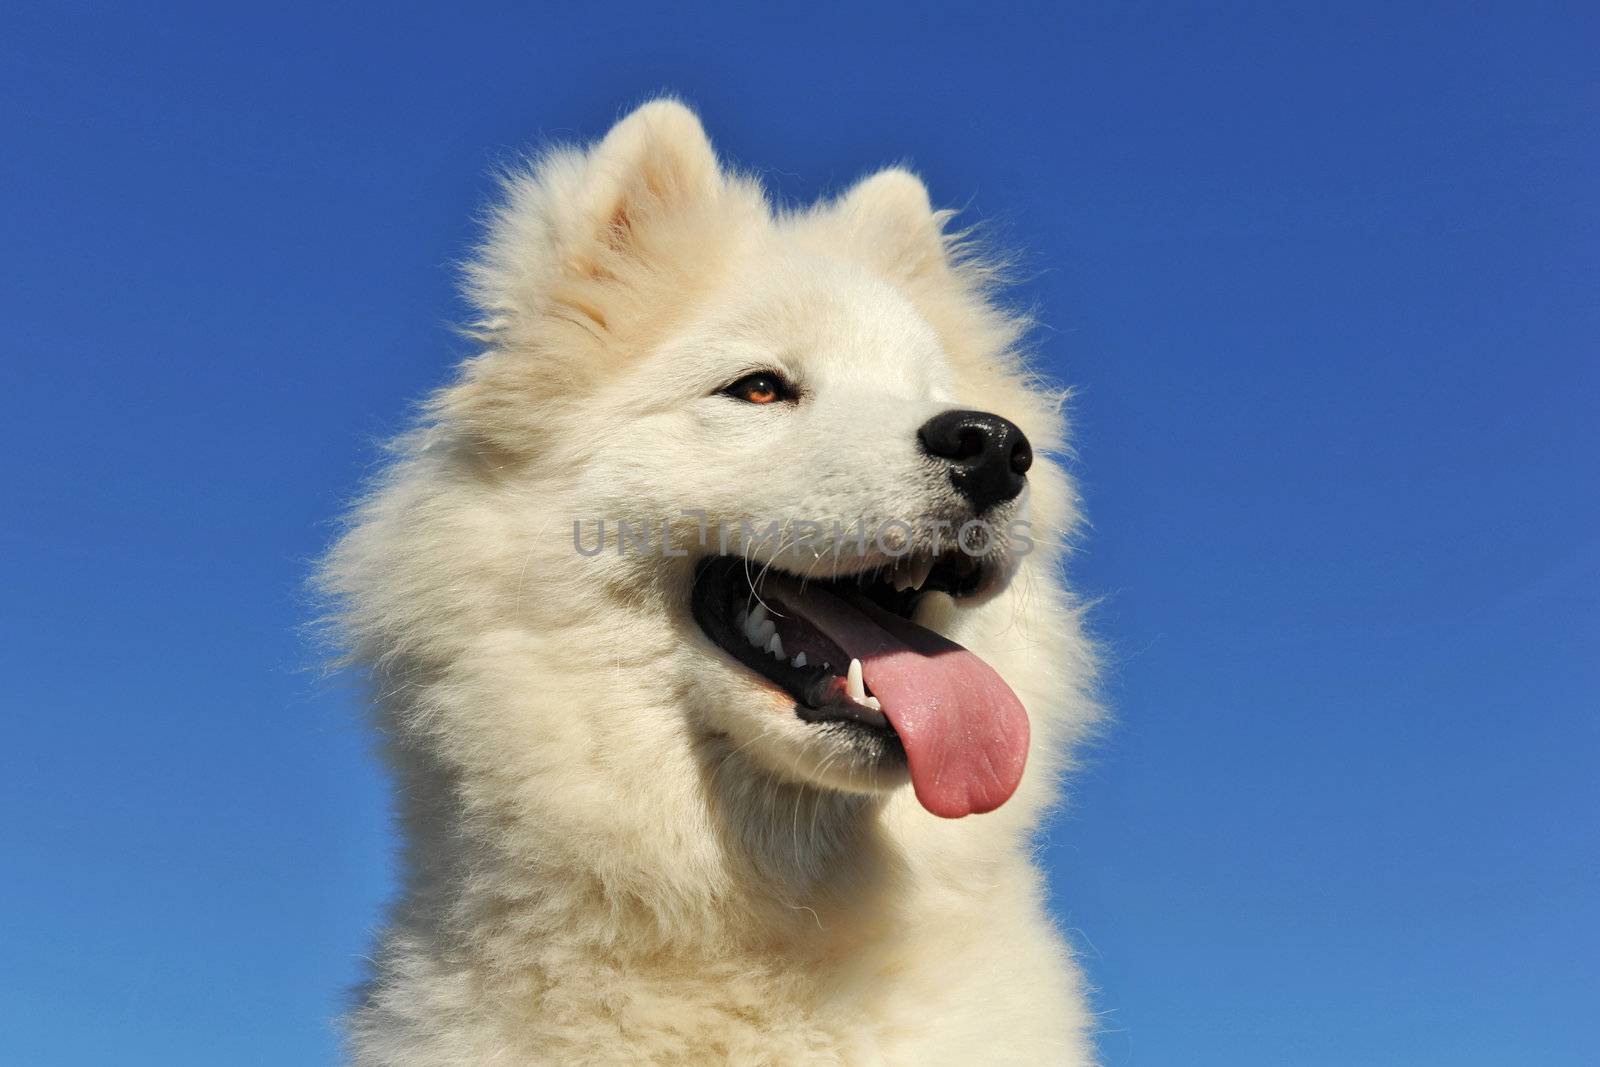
988 455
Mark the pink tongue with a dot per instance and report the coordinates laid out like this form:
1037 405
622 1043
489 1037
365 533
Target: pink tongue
965 732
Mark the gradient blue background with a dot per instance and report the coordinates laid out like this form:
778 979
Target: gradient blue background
1327 282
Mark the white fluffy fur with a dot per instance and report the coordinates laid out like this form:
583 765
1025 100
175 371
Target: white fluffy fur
621 847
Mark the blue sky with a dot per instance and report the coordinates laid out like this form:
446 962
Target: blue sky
1326 283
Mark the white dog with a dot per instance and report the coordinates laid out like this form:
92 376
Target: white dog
678 785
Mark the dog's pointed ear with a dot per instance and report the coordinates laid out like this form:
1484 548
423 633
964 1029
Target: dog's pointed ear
595 239
654 165
592 250
891 221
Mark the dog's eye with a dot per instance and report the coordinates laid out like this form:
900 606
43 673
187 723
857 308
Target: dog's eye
762 387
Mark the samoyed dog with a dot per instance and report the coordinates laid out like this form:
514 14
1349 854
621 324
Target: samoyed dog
716 639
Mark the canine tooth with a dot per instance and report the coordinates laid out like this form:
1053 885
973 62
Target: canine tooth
934 610
852 683
742 620
799 660
919 571
765 632
872 702
775 646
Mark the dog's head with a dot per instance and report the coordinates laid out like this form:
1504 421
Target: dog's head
778 468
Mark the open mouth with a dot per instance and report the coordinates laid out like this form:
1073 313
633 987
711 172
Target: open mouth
865 652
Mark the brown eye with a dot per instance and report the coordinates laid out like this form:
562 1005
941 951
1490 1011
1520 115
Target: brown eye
762 387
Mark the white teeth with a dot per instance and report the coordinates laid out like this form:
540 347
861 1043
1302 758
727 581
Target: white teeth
752 625
742 620
912 573
775 646
758 629
872 702
934 610
852 683
799 660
